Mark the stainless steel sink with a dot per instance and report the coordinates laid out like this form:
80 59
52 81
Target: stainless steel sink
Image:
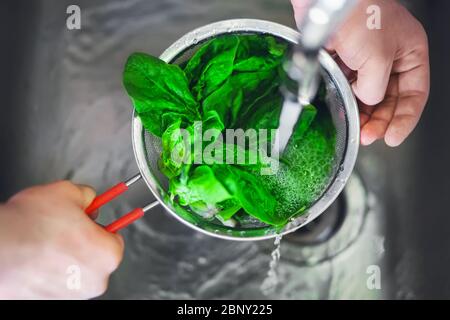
66 115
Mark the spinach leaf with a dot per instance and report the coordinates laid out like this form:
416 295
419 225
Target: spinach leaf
228 208
222 99
176 150
202 186
212 121
229 73
259 53
237 94
211 65
235 154
306 118
157 88
265 111
248 191
230 82
263 46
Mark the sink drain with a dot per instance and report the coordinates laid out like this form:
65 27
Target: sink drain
323 227
330 233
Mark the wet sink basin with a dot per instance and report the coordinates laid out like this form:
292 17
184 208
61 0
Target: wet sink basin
66 115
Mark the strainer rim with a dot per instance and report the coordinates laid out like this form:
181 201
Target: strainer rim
326 61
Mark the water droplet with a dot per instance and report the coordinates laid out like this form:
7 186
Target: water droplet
271 281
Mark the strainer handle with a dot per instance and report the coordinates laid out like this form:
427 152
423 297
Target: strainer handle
125 220
129 218
111 194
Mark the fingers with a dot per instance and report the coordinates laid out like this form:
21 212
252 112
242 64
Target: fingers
372 81
377 123
365 112
398 114
81 194
414 87
121 243
112 248
377 118
350 74
87 194
371 58
406 116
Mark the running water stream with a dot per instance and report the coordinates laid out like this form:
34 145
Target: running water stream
271 281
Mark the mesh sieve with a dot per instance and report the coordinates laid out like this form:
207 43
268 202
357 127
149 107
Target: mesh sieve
339 99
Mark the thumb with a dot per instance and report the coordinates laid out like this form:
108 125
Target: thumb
87 193
372 80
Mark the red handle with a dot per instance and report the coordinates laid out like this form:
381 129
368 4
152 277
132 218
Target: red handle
106 197
125 220
113 193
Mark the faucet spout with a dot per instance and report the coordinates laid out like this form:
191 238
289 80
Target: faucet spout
303 68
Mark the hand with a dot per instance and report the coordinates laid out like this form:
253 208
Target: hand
45 235
392 65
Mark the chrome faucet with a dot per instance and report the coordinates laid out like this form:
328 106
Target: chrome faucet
320 20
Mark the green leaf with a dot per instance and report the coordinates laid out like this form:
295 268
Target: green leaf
236 96
176 150
306 118
221 100
233 153
157 88
201 186
241 69
252 64
203 209
228 209
212 120
231 82
258 45
264 113
251 195
211 65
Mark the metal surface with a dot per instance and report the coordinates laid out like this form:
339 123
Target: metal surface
342 106
150 206
133 180
321 18
318 23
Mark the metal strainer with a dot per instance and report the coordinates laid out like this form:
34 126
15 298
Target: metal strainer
147 147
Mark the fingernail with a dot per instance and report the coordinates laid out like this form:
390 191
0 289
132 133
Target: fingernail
367 140
392 141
